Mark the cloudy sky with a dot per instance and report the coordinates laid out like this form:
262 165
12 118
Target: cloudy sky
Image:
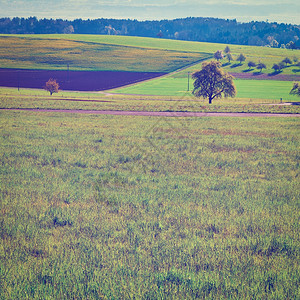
287 11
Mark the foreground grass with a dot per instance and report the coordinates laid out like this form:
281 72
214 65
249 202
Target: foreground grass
134 207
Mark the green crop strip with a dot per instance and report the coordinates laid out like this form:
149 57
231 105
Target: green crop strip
28 98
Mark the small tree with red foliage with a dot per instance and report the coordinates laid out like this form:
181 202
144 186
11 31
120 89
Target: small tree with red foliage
52 86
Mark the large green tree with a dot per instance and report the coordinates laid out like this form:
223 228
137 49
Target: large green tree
212 82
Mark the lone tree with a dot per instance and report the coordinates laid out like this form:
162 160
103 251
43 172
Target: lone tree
296 89
274 44
52 86
287 61
291 45
241 58
227 50
212 82
281 65
160 34
261 66
276 68
218 55
251 64
229 57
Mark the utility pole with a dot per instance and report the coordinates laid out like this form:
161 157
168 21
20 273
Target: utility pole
18 72
188 81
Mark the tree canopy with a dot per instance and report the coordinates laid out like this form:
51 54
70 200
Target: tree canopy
241 58
212 82
191 29
251 64
261 66
295 89
52 86
229 57
276 67
218 55
281 65
227 50
287 61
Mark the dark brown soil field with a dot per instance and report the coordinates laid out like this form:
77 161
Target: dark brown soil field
73 80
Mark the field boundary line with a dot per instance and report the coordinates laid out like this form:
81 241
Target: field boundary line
155 113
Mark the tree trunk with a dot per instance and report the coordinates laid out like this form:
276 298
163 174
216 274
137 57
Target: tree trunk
210 100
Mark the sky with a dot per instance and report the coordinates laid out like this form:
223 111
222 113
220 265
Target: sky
287 11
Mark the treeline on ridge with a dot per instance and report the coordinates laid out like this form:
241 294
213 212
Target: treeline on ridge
191 29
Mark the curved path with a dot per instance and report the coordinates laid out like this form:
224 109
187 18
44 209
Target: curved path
155 113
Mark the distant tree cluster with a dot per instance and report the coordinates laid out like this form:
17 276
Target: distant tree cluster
191 29
277 67
218 55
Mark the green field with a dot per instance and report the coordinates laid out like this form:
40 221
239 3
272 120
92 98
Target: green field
116 53
148 208
128 207
252 89
28 98
102 52
165 44
38 53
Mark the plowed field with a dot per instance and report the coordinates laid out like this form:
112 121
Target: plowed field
73 80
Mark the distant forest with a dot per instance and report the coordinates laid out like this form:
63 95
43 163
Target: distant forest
190 29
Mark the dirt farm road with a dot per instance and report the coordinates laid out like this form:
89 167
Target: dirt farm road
155 113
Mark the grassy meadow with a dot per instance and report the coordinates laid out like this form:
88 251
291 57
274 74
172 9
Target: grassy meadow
129 207
248 89
116 207
166 44
122 53
40 99
55 54
102 52
86 46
